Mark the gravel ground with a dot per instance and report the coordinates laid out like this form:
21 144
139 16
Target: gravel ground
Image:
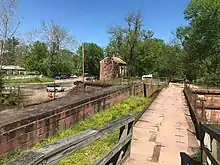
38 94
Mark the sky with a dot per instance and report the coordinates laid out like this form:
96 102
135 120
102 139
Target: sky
89 20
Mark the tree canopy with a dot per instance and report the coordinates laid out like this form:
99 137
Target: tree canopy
195 54
142 51
93 55
201 39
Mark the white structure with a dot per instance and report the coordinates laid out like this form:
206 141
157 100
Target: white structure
149 76
12 69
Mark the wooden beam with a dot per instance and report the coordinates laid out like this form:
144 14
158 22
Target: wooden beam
206 91
107 156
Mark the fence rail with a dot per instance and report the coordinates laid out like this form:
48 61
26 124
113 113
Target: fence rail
211 152
189 98
205 133
22 77
53 153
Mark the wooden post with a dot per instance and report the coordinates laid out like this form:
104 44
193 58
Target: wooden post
201 143
121 134
203 109
145 90
129 131
54 95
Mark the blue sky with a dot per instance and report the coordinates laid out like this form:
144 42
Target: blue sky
88 20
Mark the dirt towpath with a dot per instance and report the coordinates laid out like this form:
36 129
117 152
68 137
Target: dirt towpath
163 136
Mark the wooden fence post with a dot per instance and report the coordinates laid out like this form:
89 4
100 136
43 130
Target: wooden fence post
145 90
130 131
203 109
201 142
121 134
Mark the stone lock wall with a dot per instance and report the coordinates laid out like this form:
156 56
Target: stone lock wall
29 125
210 115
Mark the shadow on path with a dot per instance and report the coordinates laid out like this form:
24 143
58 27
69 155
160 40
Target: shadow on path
187 160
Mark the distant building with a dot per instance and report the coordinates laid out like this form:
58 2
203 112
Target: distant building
112 67
12 69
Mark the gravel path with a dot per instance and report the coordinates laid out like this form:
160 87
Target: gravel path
163 133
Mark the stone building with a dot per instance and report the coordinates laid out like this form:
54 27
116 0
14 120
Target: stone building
112 67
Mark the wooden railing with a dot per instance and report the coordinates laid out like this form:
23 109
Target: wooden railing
53 153
190 98
210 151
205 133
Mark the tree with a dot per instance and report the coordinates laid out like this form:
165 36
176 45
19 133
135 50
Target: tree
58 41
93 55
117 36
201 39
10 51
22 51
56 36
9 23
134 23
148 54
37 58
124 41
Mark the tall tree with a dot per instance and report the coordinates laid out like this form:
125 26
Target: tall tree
134 22
124 40
10 51
201 38
37 58
56 38
22 51
93 55
9 23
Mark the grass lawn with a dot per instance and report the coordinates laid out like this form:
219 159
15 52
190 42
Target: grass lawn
86 156
30 80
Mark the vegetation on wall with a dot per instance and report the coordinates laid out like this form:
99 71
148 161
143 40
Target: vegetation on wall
132 105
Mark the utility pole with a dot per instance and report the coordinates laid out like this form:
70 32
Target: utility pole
83 62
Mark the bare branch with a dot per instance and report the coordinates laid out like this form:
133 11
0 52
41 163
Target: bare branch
9 23
55 34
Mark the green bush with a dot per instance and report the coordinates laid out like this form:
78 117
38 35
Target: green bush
12 97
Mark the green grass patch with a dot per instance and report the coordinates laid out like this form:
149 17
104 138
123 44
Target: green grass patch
11 155
89 154
30 80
